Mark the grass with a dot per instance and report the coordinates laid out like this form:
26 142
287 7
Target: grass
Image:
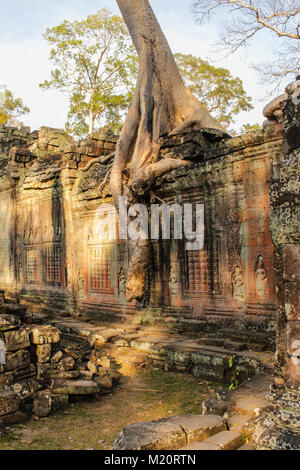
145 395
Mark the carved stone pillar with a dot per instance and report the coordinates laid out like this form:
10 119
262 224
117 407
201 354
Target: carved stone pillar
281 427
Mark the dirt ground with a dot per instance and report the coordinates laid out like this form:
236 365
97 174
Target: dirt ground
144 394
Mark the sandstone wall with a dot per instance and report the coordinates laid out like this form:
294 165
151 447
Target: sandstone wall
55 249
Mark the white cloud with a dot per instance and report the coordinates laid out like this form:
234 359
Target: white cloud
24 66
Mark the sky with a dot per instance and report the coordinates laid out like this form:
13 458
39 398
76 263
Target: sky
24 54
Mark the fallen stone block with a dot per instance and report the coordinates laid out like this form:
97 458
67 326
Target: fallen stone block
103 336
67 363
18 417
9 402
43 352
75 387
18 360
211 406
42 405
9 322
15 340
168 433
45 335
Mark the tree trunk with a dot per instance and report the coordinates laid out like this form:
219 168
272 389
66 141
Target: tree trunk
162 104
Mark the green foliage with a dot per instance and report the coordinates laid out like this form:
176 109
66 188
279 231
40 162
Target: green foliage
219 92
95 65
235 375
250 127
11 108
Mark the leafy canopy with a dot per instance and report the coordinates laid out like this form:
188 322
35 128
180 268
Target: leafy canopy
11 108
95 65
219 92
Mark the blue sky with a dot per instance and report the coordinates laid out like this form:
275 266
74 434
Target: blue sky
24 54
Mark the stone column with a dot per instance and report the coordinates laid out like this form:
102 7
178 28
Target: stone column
281 427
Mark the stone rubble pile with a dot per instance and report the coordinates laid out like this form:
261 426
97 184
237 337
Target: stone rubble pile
40 375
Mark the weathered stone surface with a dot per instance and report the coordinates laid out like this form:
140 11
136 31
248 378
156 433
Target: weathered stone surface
226 440
9 322
251 406
211 406
57 357
67 363
42 404
45 335
75 387
105 381
168 433
15 340
43 352
241 424
103 336
17 360
200 446
19 417
9 402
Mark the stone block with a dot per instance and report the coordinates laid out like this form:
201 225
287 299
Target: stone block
75 387
226 440
19 417
43 352
15 340
9 402
251 406
45 335
42 405
17 360
9 322
168 433
291 262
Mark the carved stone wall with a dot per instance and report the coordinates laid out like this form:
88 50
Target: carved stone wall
57 247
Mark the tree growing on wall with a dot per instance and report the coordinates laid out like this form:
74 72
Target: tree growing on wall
247 18
95 65
161 104
11 108
221 94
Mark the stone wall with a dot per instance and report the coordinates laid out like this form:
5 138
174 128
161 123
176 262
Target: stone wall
55 247
281 427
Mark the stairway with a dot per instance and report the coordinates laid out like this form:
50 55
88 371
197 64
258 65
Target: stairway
202 354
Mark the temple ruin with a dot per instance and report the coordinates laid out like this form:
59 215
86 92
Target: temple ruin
237 296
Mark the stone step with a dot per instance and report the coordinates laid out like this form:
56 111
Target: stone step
251 406
225 440
206 357
169 433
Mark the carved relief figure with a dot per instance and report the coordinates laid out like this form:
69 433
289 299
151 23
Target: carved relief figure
173 280
261 277
238 288
122 282
80 278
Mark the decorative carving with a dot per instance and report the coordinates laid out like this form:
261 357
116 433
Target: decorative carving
100 268
31 265
173 280
197 270
80 283
122 282
238 288
53 265
261 277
